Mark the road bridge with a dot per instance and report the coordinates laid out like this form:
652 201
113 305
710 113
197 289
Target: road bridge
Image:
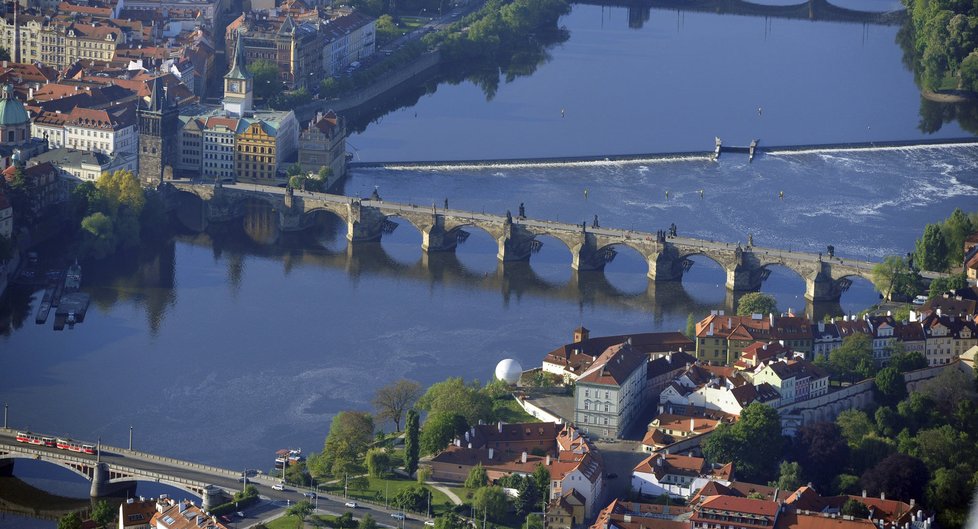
114 469
591 247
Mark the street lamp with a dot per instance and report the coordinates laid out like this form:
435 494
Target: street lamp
130 438
5 406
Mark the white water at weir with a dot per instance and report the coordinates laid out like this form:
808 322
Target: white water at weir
866 201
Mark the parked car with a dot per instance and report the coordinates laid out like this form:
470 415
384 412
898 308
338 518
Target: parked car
397 515
240 514
429 523
278 486
351 504
920 300
310 495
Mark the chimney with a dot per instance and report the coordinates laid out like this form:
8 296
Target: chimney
721 313
470 446
548 460
821 326
770 316
500 426
692 425
864 493
523 458
710 332
490 453
658 461
466 435
882 495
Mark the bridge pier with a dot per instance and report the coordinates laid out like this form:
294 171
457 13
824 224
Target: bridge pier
666 265
100 482
435 238
743 278
823 288
515 244
212 497
588 257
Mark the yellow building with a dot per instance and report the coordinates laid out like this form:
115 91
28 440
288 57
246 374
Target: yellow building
59 43
254 157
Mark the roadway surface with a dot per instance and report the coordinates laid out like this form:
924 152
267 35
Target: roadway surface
149 467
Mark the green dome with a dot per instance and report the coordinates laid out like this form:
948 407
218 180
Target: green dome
11 110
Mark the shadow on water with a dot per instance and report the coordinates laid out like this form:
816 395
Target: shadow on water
19 497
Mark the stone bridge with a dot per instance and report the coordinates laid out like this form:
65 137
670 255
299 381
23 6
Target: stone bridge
808 10
113 470
591 248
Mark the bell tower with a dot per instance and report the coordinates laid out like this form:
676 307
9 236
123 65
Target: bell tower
238 83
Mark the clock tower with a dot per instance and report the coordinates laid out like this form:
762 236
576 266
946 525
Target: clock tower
238 83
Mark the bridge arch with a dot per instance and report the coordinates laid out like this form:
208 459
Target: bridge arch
76 467
627 270
135 480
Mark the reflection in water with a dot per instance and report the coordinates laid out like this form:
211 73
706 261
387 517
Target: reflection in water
19 497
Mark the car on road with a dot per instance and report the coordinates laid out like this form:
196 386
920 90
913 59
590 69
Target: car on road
310 495
351 504
429 523
397 515
240 514
278 486
920 300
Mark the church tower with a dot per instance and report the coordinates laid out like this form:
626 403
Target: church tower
157 134
238 83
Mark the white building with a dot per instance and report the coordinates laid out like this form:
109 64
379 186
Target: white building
609 394
349 38
218 147
105 131
86 166
676 475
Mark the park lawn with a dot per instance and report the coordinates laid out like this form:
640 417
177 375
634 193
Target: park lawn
391 486
509 411
285 522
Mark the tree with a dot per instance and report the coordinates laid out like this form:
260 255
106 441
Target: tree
691 327
491 501
904 361
265 78
854 358
958 226
757 303
900 476
450 520
754 444
413 498
856 509
940 285
121 190
102 514
529 497
349 435
854 425
412 448
379 464
439 430
300 510
4 54
931 250
70 521
819 448
870 451
297 474
890 387
423 474
894 277
789 477
477 477
392 400
948 497
938 447
367 522
949 388
541 475
845 484
100 240
453 395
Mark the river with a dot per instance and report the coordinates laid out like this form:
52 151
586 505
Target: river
225 346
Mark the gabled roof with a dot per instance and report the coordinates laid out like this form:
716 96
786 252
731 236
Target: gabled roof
614 366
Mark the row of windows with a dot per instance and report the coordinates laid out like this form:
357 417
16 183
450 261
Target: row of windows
587 393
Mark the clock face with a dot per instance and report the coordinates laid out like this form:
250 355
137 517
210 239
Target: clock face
235 86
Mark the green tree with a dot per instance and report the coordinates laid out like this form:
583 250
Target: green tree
845 484
855 509
100 239
931 250
300 510
412 447
294 169
121 190
440 428
265 79
349 435
454 396
379 464
367 522
870 451
478 477
392 400
70 521
754 444
854 425
888 421
789 477
491 501
853 360
423 474
904 361
894 277
918 411
541 475
102 514
941 285
958 226
691 327
529 497
948 497
900 476
413 498
937 447
297 474
890 387
450 520
757 303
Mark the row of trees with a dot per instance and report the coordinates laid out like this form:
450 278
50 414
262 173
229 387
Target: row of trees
941 247
115 213
945 43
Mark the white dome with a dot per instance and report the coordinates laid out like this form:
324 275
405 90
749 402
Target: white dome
509 371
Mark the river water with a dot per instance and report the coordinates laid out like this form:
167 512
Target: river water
222 347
